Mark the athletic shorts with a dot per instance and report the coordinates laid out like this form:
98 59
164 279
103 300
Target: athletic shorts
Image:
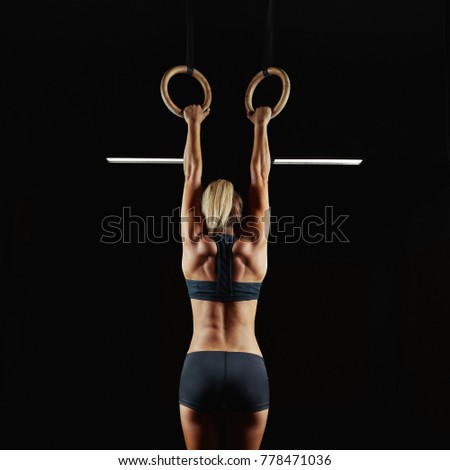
222 380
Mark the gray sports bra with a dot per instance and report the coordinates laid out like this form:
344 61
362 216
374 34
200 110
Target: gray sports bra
223 289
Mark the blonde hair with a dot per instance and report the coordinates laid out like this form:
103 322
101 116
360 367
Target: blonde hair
221 205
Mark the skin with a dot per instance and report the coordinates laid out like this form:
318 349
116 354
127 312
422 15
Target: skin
224 326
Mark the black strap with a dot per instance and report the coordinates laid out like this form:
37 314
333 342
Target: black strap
268 43
445 12
224 263
189 37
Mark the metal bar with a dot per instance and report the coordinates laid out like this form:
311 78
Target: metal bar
317 161
276 161
144 160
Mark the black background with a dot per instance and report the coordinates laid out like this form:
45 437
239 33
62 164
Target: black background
355 335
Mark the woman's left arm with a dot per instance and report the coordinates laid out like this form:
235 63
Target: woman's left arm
191 217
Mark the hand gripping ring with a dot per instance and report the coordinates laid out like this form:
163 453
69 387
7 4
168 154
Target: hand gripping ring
258 78
197 75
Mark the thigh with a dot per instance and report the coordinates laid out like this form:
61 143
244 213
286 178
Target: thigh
201 429
245 430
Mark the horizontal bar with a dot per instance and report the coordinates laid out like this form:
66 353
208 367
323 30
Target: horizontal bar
276 161
144 160
317 161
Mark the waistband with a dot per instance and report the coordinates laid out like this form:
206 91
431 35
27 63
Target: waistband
224 353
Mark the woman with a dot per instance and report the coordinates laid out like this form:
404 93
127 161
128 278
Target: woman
224 375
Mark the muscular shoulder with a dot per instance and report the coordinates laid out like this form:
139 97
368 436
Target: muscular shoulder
250 245
200 245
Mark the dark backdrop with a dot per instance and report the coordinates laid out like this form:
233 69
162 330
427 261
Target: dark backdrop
355 334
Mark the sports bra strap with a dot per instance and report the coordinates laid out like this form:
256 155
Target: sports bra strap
224 263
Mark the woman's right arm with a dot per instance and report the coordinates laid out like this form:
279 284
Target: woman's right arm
191 219
259 209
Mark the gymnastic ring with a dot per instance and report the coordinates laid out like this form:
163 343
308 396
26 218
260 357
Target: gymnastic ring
197 75
258 78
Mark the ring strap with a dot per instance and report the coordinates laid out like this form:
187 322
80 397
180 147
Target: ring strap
189 37
268 42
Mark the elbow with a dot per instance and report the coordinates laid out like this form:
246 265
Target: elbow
264 175
260 182
192 173
259 174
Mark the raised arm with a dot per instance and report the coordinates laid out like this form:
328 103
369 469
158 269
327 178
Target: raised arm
191 220
260 164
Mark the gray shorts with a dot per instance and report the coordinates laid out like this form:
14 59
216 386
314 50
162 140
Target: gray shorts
222 380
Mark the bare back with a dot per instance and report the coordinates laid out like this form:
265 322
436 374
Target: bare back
225 326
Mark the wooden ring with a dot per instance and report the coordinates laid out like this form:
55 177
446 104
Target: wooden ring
165 91
258 78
